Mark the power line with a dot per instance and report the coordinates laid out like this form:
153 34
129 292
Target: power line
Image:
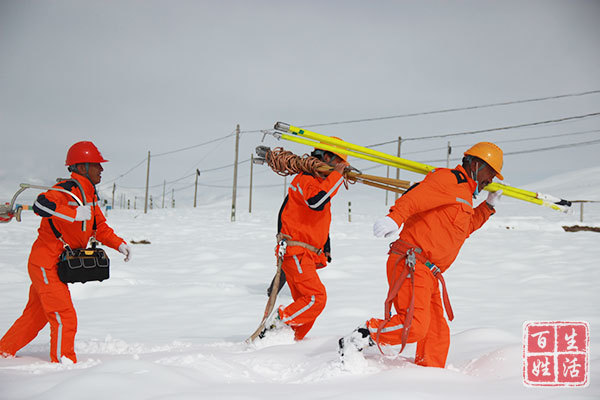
125 173
193 146
561 146
538 138
504 141
445 110
492 129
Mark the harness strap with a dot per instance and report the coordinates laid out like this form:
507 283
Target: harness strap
410 254
287 239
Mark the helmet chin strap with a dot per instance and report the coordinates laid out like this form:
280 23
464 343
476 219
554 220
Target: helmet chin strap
87 171
474 175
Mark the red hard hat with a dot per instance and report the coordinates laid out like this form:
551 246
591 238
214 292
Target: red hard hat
84 152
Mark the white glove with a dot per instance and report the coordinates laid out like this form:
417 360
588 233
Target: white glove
126 250
493 198
384 227
83 213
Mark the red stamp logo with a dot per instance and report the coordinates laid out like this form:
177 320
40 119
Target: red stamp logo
556 353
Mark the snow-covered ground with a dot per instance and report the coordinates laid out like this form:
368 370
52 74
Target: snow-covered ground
171 323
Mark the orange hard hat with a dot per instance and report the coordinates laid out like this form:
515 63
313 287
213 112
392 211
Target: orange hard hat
490 153
84 152
337 153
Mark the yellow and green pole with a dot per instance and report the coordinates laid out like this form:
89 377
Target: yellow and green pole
309 138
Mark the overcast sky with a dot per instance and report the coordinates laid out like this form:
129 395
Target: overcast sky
139 76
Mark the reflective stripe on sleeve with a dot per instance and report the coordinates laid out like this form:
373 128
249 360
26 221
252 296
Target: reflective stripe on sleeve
52 212
44 275
460 200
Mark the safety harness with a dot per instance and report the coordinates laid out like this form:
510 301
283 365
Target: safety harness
410 254
286 240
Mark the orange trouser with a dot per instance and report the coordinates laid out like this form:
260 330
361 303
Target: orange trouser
49 302
307 291
428 328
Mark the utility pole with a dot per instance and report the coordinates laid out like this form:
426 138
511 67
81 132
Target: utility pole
112 205
164 186
173 198
398 169
196 187
235 171
448 156
251 170
147 183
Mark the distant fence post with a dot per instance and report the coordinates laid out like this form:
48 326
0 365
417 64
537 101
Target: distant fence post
350 211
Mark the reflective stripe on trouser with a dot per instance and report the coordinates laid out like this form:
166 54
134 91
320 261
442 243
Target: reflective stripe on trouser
49 301
429 327
307 291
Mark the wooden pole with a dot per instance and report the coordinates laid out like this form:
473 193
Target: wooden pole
164 187
172 198
448 155
235 171
112 205
196 187
147 183
251 171
398 169
386 192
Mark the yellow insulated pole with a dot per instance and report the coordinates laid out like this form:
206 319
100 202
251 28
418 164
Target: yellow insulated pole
328 143
324 146
405 164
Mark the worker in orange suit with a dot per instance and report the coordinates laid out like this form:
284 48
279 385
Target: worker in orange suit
304 220
438 216
49 298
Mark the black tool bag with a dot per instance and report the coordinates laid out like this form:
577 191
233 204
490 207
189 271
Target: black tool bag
82 265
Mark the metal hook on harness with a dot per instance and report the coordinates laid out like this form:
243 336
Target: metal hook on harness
282 248
411 259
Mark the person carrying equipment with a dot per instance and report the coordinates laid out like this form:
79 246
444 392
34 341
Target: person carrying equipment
303 225
438 216
50 298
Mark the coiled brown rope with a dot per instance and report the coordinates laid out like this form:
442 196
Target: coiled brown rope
285 163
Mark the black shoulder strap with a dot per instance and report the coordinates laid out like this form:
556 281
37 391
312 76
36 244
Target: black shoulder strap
53 227
460 177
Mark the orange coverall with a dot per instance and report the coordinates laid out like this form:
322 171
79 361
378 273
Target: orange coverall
438 216
305 216
49 298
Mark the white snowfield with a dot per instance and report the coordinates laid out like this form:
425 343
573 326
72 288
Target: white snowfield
171 323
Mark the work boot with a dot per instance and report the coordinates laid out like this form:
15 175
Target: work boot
274 323
355 341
